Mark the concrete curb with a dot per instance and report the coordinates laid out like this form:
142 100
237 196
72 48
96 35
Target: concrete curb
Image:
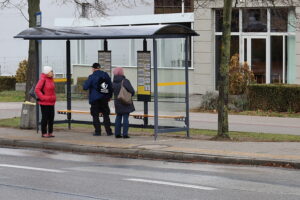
149 154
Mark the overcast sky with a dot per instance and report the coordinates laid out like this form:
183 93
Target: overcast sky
12 51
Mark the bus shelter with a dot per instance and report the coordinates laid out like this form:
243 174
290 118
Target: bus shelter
153 32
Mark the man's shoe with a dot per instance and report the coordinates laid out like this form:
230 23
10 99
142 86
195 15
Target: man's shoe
118 136
97 134
109 134
126 136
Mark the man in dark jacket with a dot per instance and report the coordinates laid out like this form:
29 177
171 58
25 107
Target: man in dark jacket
100 93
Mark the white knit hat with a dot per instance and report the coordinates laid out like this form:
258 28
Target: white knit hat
47 69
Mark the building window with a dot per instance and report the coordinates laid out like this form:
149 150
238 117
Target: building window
254 20
266 41
172 6
279 20
234 20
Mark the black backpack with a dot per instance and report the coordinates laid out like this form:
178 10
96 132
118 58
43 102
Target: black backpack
103 86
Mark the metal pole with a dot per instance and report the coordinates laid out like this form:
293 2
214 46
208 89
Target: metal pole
145 101
37 69
69 115
105 45
187 108
155 89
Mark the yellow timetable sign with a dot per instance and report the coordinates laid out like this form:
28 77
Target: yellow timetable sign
141 90
59 80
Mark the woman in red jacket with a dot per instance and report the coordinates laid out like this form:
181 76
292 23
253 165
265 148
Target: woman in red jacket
45 91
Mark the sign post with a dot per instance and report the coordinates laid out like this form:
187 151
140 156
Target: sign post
104 59
144 78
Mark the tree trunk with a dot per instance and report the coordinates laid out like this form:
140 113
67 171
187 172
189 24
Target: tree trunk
224 70
33 8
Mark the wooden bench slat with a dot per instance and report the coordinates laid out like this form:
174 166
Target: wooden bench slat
133 115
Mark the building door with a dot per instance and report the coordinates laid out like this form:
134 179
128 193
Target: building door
255 54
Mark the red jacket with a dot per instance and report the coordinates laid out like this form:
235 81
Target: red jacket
45 90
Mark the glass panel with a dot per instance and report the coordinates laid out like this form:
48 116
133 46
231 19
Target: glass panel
255 20
258 59
291 59
291 49
234 49
279 20
171 97
245 50
172 53
234 22
276 59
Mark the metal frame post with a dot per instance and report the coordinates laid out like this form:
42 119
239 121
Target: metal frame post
69 98
155 88
187 103
105 45
145 102
37 68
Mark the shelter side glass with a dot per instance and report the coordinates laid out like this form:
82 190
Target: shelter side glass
171 84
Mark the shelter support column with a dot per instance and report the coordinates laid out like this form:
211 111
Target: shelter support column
145 102
155 88
37 68
187 101
69 98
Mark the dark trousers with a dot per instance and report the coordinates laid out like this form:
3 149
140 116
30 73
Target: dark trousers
47 118
97 107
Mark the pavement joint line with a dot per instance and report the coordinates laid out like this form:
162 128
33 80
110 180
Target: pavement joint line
151 154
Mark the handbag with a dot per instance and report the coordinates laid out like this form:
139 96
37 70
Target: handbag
124 96
32 91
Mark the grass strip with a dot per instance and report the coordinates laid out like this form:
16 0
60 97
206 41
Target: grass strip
195 133
19 96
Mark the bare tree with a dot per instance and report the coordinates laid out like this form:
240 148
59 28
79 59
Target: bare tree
224 69
90 7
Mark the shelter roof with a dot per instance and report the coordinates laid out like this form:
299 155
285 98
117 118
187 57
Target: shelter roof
112 32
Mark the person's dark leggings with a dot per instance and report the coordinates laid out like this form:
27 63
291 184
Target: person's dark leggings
47 118
101 106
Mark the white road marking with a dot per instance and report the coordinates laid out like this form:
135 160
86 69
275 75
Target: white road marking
32 168
171 184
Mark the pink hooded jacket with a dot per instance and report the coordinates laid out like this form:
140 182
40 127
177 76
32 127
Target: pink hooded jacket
45 90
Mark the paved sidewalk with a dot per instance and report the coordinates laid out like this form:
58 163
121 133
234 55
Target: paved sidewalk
169 148
242 123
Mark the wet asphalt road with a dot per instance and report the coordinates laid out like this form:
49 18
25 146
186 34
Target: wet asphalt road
35 174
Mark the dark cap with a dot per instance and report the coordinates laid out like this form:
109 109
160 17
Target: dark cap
96 66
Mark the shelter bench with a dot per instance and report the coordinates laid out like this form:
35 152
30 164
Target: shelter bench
134 115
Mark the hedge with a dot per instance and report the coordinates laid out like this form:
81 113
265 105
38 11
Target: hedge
79 87
60 87
274 97
7 83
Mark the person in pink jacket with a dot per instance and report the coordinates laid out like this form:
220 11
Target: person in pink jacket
45 91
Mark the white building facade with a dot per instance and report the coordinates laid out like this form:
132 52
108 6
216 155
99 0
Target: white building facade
264 36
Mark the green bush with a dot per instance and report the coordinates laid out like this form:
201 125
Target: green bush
209 101
240 76
7 83
79 87
274 97
60 87
21 72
